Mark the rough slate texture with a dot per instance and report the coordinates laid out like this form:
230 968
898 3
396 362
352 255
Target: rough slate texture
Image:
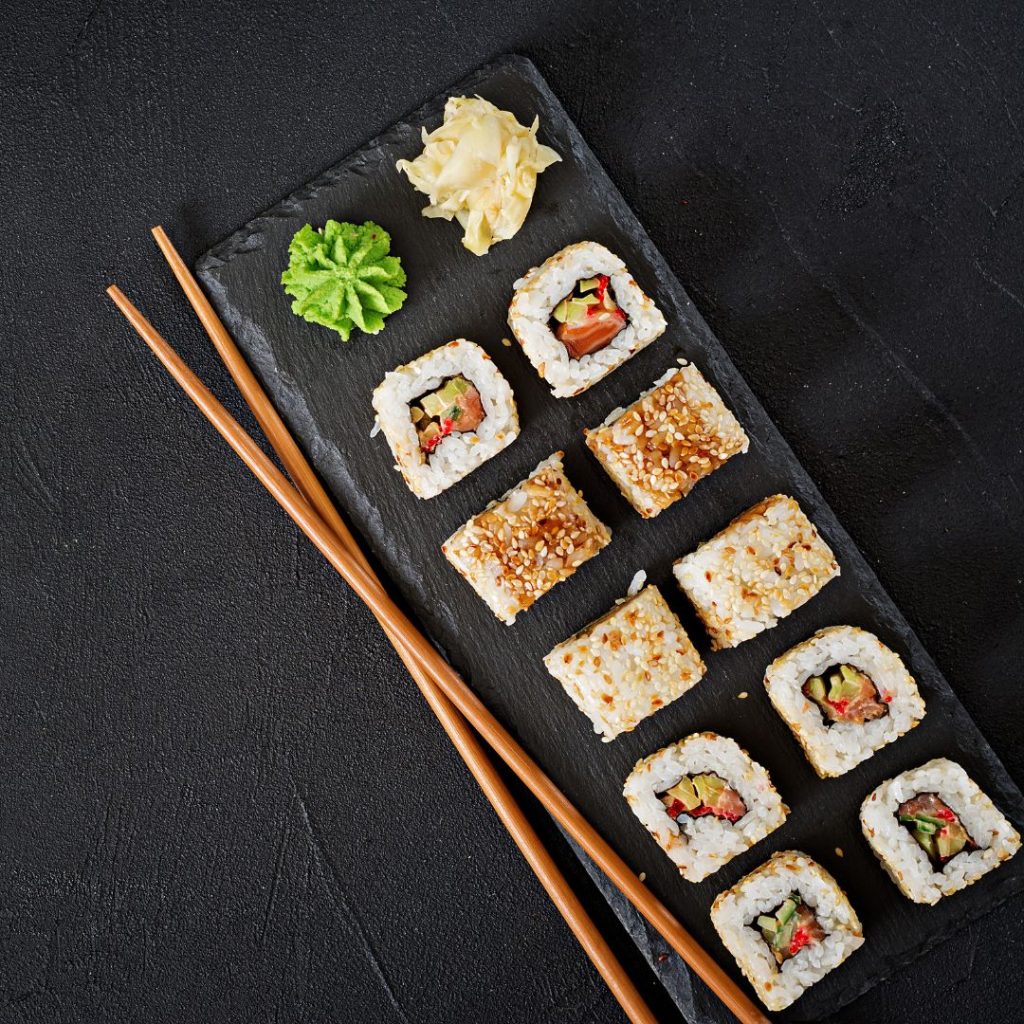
194 780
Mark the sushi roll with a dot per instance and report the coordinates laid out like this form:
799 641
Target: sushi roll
444 414
626 665
673 435
787 924
764 565
704 801
845 695
538 534
579 315
935 831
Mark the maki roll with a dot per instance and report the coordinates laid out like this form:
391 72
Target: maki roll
444 414
764 565
787 924
935 831
845 695
579 315
704 801
672 436
632 661
538 534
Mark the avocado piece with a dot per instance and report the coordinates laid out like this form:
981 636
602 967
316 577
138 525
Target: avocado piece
455 387
561 311
589 284
851 674
816 688
433 404
708 787
927 843
784 935
835 686
684 792
927 827
577 311
417 413
767 924
430 432
588 299
849 690
948 843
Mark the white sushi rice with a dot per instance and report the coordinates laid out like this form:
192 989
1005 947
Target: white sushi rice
901 855
459 453
533 537
836 748
676 433
734 915
542 288
628 664
700 846
764 565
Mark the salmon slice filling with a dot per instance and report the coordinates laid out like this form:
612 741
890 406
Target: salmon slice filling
845 694
588 318
935 826
792 927
698 795
453 407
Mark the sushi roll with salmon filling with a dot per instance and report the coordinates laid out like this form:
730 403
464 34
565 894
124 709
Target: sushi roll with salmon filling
632 661
845 695
534 537
704 800
579 315
671 437
764 565
444 414
788 924
935 831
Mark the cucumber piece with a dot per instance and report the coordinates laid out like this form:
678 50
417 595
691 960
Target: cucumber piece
561 311
787 910
927 843
767 924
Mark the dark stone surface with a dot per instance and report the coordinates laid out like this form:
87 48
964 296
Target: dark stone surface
202 734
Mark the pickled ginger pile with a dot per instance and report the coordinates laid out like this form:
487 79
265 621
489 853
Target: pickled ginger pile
480 167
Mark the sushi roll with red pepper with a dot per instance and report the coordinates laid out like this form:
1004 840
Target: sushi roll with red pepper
579 315
935 831
788 924
444 414
845 695
704 800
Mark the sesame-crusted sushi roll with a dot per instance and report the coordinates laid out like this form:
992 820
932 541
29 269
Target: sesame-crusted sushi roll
673 435
579 315
764 565
845 695
627 664
787 924
536 535
704 800
444 414
935 831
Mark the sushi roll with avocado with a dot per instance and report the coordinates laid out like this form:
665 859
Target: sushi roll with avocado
763 566
845 695
444 414
579 315
788 923
935 831
535 536
627 664
673 435
704 800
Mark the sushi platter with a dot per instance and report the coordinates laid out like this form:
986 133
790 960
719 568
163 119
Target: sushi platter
566 481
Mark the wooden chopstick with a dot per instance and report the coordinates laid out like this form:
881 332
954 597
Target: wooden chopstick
472 708
459 732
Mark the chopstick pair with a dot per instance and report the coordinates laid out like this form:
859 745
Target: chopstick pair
310 508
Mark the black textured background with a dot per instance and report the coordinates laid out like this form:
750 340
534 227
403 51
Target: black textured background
202 738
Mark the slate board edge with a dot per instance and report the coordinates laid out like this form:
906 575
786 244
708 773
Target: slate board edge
247 238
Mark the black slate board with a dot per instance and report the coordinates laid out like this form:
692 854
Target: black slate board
323 387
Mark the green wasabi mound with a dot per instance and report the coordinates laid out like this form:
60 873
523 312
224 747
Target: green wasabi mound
342 277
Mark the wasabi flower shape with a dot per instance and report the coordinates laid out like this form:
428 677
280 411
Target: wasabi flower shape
342 277
480 167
